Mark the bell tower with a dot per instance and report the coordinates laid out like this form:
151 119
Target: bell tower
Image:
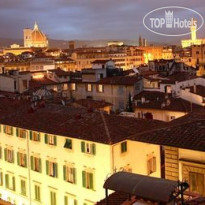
27 37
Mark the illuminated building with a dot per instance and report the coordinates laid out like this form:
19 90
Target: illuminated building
35 38
193 40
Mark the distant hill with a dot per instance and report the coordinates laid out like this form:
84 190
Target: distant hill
6 42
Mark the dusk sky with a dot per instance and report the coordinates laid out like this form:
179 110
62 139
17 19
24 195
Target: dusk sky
86 19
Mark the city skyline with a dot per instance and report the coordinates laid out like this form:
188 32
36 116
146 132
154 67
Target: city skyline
67 20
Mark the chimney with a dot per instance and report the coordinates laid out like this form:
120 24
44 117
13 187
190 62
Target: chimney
143 100
194 88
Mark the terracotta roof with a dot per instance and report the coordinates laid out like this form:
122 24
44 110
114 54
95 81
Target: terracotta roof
188 135
37 83
73 122
59 72
120 80
95 104
163 101
100 61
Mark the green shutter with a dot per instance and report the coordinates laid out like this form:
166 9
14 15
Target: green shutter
84 179
46 138
56 169
0 152
125 146
12 156
0 127
17 132
14 184
11 130
74 175
40 167
122 147
64 172
5 154
7 180
91 180
65 200
18 160
32 163
93 149
30 135
83 146
4 128
47 164
25 159
39 137
55 140
75 202
24 134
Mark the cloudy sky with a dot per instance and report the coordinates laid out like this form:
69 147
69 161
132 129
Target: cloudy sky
86 19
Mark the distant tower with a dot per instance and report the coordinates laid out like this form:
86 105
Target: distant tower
71 45
140 41
193 29
144 42
27 37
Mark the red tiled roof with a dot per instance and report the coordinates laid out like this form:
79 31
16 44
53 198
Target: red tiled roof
155 100
59 72
37 83
200 90
73 122
95 104
120 80
100 61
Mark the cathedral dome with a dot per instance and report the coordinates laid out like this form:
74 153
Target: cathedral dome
37 35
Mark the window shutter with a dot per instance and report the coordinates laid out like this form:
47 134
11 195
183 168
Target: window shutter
83 146
148 167
64 172
32 163
24 134
17 132
154 164
0 152
25 160
14 184
39 138
18 161
5 154
47 166
75 202
30 135
93 149
7 180
11 130
56 170
125 146
83 178
12 156
91 180
74 175
4 128
46 138
0 127
65 200
40 167
55 140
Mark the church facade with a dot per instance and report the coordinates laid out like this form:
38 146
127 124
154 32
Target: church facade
35 38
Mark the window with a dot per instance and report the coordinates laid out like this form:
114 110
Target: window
9 155
21 133
35 136
196 182
50 139
52 198
0 152
68 144
100 88
23 187
89 87
69 174
123 147
87 179
151 165
37 193
65 86
1 178
35 164
21 159
69 200
88 148
10 182
25 84
73 86
51 169
8 130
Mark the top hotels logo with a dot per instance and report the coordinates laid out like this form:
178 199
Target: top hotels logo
173 21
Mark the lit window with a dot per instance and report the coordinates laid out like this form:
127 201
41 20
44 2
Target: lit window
8 130
69 200
34 136
88 148
123 147
35 164
50 139
151 165
89 87
21 133
196 182
10 182
69 174
51 169
21 159
9 155
65 86
100 88
73 86
87 179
